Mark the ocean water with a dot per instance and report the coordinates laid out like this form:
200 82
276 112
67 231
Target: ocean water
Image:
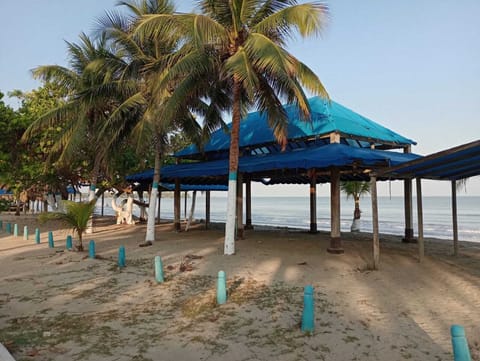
294 212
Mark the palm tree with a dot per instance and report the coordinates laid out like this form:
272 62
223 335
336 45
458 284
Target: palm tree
76 216
241 45
84 112
355 189
147 60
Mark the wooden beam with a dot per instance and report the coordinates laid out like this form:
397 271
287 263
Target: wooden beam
335 235
240 230
313 202
185 194
248 203
159 205
421 245
207 209
376 236
176 206
454 218
407 197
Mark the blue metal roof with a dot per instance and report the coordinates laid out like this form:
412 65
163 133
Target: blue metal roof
331 155
326 117
452 164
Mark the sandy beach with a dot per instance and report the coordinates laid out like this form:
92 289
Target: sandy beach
60 305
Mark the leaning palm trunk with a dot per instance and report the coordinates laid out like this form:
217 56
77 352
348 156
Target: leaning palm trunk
152 204
233 172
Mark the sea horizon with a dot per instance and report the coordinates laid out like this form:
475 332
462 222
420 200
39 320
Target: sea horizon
293 212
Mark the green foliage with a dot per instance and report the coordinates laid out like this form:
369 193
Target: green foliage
76 216
4 205
355 189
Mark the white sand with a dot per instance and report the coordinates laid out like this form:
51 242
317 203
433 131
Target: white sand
60 305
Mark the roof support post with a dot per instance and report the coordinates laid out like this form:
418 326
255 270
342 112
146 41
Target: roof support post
248 203
207 209
240 231
185 194
454 218
421 244
159 202
176 206
335 240
407 194
313 201
376 237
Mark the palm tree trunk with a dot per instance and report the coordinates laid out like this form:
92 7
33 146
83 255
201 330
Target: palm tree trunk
79 244
91 192
233 171
356 212
355 227
150 236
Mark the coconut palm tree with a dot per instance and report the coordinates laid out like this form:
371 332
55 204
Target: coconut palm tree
84 112
81 116
241 45
76 216
147 61
355 189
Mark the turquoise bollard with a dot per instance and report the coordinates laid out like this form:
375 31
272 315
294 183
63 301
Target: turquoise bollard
68 242
91 249
460 344
308 319
9 228
51 244
158 269
121 256
15 230
221 288
25 233
37 236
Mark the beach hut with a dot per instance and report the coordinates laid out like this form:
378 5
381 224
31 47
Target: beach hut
336 144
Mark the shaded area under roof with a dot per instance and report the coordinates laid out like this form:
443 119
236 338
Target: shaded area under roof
326 117
301 160
451 164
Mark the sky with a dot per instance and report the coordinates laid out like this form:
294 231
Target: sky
412 66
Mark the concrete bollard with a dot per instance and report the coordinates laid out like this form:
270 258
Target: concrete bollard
121 256
37 236
25 233
221 288
158 269
459 344
68 242
15 230
51 244
91 249
308 318
9 228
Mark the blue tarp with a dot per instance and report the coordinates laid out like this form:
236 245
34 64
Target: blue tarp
331 155
327 117
451 164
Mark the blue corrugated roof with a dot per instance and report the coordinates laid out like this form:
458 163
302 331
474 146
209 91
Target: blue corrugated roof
326 117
